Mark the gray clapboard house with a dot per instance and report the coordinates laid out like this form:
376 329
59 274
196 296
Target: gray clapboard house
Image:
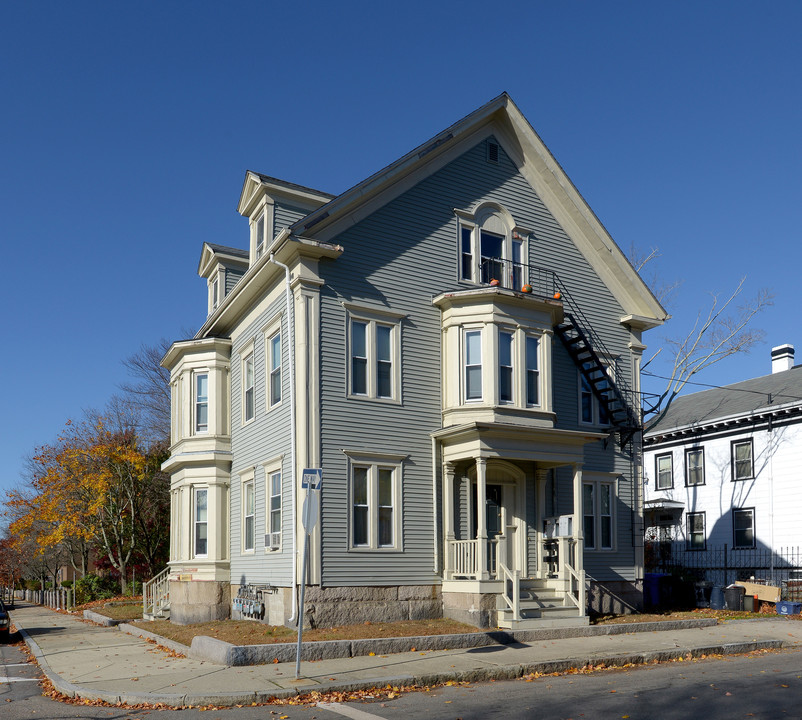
456 342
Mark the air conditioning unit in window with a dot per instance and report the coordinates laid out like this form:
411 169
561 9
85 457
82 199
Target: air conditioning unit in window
273 540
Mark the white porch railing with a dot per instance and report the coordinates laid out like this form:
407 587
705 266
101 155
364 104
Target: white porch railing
156 594
512 589
463 558
575 580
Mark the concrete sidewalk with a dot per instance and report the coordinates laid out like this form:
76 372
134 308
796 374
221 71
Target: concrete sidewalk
98 663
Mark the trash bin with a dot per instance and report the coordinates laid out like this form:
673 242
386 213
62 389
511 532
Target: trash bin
717 598
653 588
734 597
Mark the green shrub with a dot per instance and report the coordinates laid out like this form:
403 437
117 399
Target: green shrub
32 584
92 587
66 584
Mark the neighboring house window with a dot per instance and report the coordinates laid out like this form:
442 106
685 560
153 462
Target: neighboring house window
743 528
248 507
375 499
695 466
532 371
505 368
664 470
274 349
375 356
696 531
742 464
248 387
274 510
201 522
598 502
201 413
473 364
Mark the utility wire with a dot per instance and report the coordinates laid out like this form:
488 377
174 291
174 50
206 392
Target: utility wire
726 387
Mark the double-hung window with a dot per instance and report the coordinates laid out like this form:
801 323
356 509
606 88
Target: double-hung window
598 503
201 522
248 515
592 410
274 349
695 536
742 461
248 387
532 371
743 527
505 367
472 364
201 392
695 466
374 368
664 471
375 504
273 540
259 230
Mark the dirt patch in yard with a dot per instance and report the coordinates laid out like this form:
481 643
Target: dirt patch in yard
245 632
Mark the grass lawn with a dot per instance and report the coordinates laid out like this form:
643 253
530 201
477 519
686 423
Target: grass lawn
247 632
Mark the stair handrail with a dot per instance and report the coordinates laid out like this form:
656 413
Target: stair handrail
156 593
514 602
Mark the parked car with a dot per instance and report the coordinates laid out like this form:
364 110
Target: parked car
5 622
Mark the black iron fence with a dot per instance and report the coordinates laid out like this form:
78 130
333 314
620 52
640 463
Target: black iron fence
723 565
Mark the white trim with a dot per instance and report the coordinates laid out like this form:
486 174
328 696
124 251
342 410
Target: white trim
373 320
247 478
195 522
247 351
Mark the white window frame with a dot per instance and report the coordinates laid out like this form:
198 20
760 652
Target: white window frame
247 354
248 486
196 523
493 220
273 504
375 321
260 227
701 467
596 410
659 472
373 464
510 368
598 488
690 532
527 336
751 512
464 366
197 403
734 460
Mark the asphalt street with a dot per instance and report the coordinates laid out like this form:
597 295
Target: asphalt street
761 685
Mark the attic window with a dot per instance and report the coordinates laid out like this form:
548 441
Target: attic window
492 151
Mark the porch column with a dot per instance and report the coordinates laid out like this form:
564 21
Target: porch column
579 538
481 518
449 472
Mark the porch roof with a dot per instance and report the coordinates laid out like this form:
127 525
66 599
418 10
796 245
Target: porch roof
546 446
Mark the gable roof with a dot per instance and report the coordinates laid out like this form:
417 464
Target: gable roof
758 396
501 118
212 251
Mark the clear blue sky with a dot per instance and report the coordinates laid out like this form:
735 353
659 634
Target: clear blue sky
127 129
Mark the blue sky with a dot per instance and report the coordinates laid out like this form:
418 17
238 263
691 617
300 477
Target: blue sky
127 129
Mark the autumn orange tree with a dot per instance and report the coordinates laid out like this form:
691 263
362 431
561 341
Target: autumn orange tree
94 486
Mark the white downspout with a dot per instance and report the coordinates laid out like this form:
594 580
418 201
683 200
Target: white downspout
293 473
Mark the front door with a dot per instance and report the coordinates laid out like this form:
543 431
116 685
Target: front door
494 522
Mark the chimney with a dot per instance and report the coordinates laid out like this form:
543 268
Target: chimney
782 358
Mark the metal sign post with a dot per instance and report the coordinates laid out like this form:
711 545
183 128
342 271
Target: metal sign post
311 479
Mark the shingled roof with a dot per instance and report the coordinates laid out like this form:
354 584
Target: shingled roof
756 396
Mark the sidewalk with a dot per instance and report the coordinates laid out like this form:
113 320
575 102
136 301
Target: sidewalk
98 663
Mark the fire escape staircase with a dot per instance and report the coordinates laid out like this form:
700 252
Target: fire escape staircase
606 383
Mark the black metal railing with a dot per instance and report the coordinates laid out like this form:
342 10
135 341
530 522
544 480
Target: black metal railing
723 564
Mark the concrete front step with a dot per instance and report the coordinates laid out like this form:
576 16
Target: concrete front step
542 622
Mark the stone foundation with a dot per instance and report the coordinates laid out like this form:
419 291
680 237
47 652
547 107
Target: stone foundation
333 606
615 597
477 609
199 601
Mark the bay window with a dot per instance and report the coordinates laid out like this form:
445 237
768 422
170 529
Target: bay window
201 401
473 365
201 522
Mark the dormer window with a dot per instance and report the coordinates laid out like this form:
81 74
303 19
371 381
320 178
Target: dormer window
260 235
215 293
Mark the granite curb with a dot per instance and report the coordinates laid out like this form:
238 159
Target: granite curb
219 652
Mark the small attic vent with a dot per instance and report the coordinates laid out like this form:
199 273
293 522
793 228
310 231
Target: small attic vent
492 152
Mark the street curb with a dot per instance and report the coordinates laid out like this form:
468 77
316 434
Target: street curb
172 645
502 672
219 652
